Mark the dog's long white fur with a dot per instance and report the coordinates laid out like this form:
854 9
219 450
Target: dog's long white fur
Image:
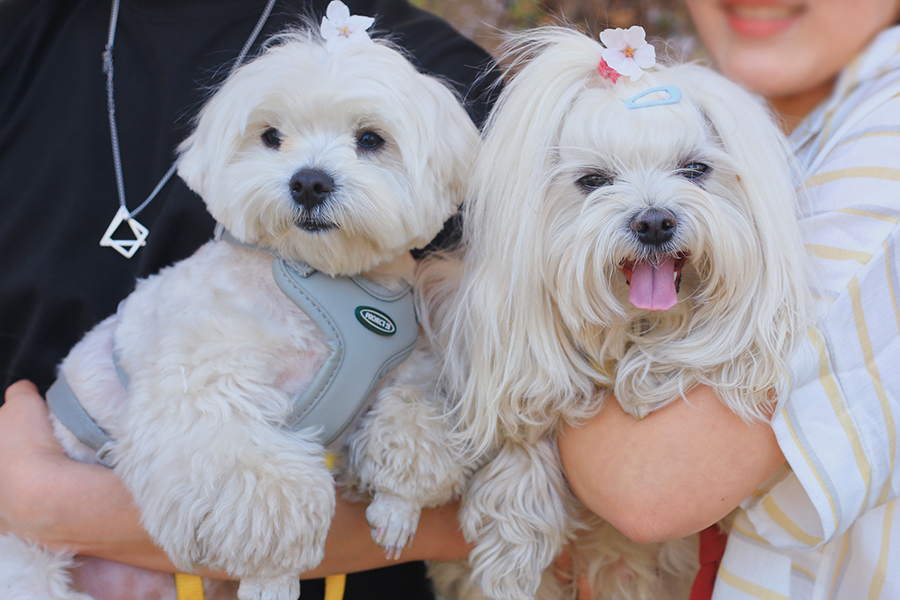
215 352
536 320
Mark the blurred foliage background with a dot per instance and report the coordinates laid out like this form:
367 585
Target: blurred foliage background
483 20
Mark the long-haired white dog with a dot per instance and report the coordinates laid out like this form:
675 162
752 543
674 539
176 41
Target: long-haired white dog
343 161
636 238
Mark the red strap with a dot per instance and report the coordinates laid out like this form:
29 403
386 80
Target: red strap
712 547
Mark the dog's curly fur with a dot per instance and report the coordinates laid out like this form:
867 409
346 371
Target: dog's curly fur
536 317
215 352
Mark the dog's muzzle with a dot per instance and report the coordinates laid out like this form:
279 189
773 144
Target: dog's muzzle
654 283
310 189
654 278
654 226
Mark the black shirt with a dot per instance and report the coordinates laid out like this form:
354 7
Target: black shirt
57 181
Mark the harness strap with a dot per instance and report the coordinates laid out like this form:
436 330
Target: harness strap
369 329
62 402
712 548
188 587
334 587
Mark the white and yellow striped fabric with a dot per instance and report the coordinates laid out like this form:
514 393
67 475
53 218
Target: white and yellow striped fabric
829 529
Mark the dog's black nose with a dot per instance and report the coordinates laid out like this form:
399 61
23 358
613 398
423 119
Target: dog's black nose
311 187
655 226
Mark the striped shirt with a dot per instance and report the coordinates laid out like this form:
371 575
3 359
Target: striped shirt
828 527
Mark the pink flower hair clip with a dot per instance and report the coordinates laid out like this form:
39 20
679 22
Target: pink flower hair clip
339 28
626 52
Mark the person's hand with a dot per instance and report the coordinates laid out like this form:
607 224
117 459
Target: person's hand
47 497
29 454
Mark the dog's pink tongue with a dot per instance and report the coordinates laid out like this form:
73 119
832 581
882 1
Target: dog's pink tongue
653 286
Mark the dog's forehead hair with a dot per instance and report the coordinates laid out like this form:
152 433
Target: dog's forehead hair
307 73
600 124
340 93
326 113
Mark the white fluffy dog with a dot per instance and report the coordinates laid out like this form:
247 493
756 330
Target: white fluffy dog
677 184
342 161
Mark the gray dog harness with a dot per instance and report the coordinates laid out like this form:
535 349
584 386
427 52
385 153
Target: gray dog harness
368 328
370 331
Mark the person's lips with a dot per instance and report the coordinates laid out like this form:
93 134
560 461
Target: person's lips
761 19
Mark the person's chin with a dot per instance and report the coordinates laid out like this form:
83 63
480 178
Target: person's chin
759 69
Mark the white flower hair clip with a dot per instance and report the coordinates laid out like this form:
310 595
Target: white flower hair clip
340 28
626 52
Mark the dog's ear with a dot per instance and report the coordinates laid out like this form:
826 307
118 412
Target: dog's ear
446 139
219 127
523 366
452 160
776 298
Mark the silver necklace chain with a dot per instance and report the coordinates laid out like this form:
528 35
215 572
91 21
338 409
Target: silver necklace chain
128 247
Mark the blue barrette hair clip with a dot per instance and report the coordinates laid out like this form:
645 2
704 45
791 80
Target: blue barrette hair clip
672 96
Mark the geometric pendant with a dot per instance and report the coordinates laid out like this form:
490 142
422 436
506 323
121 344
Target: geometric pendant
126 248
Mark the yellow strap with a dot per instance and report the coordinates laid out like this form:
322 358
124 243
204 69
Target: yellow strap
330 460
334 585
188 587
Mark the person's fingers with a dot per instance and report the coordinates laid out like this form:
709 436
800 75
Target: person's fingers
29 452
21 390
24 423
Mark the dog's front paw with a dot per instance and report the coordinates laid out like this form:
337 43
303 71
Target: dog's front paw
515 512
276 588
393 521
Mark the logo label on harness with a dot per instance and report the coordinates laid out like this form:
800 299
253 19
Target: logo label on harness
375 320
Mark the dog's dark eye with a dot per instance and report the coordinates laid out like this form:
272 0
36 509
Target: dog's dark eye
369 140
593 181
694 170
271 137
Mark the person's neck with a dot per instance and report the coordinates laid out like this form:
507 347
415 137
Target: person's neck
794 108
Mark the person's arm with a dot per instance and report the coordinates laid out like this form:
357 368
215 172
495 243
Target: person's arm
676 472
47 497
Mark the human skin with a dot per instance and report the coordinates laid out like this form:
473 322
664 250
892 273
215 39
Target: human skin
62 503
789 51
686 466
677 471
